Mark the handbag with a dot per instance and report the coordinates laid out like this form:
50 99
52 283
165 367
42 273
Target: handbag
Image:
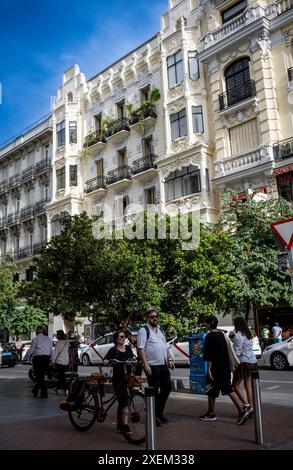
233 358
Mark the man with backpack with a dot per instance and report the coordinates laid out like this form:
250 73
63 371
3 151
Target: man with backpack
156 360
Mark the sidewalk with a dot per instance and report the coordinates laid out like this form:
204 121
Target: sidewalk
35 424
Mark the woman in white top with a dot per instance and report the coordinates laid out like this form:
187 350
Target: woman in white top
243 346
61 359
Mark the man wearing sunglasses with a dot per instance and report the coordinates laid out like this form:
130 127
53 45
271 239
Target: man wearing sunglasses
156 359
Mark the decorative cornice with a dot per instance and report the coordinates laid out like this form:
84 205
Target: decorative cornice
178 164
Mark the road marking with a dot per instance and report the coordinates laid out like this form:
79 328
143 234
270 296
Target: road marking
271 388
277 381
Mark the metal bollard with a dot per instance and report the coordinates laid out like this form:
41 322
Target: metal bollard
257 406
150 418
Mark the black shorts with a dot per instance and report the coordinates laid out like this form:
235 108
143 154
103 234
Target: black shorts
220 384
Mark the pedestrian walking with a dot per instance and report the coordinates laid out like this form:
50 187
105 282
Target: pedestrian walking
219 372
60 359
73 352
264 336
243 347
40 352
121 352
156 360
19 349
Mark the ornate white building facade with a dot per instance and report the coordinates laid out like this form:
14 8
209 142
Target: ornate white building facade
223 119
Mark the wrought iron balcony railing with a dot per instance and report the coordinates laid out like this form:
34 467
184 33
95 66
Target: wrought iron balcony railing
3 221
14 180
290 74
27 212
27 251
94 138
43 165
120 173
99 182
13 217
3 186
237 94
143 164
143 112
114 127
28 173
283 149
40 205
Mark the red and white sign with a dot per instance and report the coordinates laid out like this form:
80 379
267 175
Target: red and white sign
260 197
284 231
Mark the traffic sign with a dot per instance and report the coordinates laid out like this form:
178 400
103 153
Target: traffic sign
284 231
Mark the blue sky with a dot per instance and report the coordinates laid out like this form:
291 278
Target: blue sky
39 39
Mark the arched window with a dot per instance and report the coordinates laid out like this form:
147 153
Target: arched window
238 83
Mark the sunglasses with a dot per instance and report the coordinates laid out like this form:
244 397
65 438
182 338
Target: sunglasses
121 336
153 316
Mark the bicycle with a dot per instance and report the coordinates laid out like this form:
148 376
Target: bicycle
89 405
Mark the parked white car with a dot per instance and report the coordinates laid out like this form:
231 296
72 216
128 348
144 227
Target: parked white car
95 352
279 355
256 345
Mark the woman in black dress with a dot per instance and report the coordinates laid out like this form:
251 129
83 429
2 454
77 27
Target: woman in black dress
121 352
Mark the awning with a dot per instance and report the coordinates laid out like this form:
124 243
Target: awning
283 169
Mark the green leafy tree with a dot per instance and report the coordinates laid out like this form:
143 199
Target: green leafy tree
8 295
25 319
255 252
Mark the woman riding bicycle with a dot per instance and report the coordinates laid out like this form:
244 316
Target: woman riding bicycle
121 352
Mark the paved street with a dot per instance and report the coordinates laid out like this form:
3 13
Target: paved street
29 423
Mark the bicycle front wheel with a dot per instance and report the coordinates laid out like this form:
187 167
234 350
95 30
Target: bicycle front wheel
85 414
136 418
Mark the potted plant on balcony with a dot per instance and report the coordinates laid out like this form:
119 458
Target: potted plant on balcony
147 109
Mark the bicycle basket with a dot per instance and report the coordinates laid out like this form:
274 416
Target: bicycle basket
99 377
134 380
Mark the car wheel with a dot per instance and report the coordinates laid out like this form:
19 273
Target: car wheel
279 361
86 360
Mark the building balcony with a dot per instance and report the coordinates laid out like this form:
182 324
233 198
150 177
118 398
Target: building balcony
28 174
40 206
3 186
95 141
99 183
14 180
121 176
143 117
144 165
28 251
235 27
43 165
237 95
283 150
13 218
246 164
27 212
3 222
283 6
118 130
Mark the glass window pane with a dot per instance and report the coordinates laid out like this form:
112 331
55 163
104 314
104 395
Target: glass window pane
171 60
172 76
179 72
178 56
178 188
169 190
183 127
174 130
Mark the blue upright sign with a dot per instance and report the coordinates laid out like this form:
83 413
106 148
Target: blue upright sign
198 366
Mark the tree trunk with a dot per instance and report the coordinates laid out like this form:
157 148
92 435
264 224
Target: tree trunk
247 309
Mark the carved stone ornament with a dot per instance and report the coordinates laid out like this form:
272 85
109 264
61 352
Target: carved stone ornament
174 45
180 144
219 167
213 66
59 210
60 194
177 165
59 163
60 152
262 42
176 91
176 106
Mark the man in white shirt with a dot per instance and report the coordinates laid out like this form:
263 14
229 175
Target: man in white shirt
41 352
156 359
277 333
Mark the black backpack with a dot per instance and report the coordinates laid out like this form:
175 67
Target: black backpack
148 330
